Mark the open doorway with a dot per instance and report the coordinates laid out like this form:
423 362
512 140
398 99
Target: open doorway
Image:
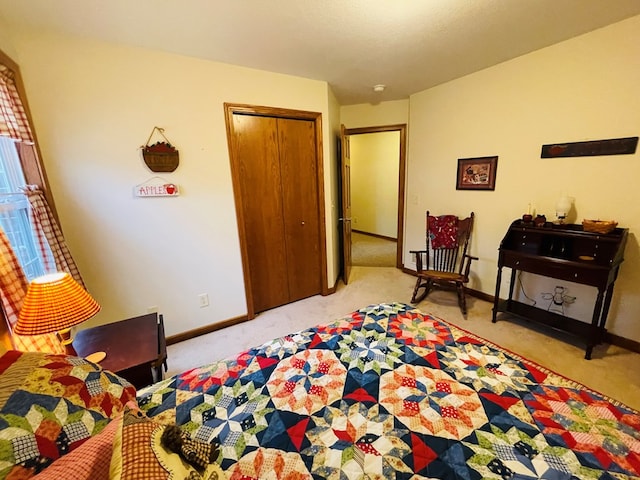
377 178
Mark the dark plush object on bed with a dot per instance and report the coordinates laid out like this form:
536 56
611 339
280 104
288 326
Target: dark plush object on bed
139 453
197 454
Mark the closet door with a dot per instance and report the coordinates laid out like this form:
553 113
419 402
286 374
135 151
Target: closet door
258 168
298 173
275 169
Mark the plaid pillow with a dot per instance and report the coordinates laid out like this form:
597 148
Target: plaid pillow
90 461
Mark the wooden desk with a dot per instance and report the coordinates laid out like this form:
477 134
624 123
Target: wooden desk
565 252
136 348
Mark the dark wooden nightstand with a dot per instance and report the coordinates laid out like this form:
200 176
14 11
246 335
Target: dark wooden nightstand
136 348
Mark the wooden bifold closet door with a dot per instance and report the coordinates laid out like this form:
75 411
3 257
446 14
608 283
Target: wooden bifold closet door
275 176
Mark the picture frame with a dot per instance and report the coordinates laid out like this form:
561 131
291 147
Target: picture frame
477 173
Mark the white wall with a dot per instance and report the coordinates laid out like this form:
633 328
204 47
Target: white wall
94 105
6 44
374 186
582 89
370 115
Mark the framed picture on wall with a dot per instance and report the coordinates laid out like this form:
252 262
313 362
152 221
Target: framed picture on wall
477 173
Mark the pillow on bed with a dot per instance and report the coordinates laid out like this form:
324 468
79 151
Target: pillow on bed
139 453
50 405
90 461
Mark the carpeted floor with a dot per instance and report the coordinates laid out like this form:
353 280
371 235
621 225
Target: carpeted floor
613 371
370 251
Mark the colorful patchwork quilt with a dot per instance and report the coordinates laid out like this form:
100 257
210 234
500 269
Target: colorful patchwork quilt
390 392
50 405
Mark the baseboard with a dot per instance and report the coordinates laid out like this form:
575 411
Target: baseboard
181 337
393 239
610 338
480 295
623 342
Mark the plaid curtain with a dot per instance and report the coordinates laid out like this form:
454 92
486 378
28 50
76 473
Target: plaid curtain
13 288
48 233
13 283
13 118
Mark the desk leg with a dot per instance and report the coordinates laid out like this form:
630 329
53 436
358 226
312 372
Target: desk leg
605 309
594 336
512 284
496 298
607 304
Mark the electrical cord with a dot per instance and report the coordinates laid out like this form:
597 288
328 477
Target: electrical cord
522 289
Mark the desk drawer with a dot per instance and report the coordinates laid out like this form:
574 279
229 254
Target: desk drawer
525 242
569 271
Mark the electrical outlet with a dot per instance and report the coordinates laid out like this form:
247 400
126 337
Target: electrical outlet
203 298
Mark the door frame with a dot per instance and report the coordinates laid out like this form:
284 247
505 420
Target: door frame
402 128
232 109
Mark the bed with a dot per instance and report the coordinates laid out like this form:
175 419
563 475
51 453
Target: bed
385 392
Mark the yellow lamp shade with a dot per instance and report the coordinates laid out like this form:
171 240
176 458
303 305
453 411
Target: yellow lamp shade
54 302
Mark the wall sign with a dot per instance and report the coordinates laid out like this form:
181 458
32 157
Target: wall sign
156 187
614 146
161 156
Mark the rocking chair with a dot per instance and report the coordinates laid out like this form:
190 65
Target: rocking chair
445 262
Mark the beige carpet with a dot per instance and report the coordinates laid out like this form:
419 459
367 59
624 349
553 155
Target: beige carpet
613 371
370 251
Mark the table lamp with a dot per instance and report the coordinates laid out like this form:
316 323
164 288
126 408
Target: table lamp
54 303
563 206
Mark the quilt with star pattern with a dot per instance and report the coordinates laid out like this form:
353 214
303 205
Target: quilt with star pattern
50 405
389 392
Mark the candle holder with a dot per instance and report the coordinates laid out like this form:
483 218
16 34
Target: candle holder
540 220
527 217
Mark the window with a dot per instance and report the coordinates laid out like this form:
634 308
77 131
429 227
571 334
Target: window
14 213
19 166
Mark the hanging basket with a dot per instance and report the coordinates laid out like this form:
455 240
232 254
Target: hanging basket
161 156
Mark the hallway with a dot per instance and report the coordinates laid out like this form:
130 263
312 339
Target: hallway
372 251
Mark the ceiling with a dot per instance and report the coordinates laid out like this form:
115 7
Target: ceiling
407 45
